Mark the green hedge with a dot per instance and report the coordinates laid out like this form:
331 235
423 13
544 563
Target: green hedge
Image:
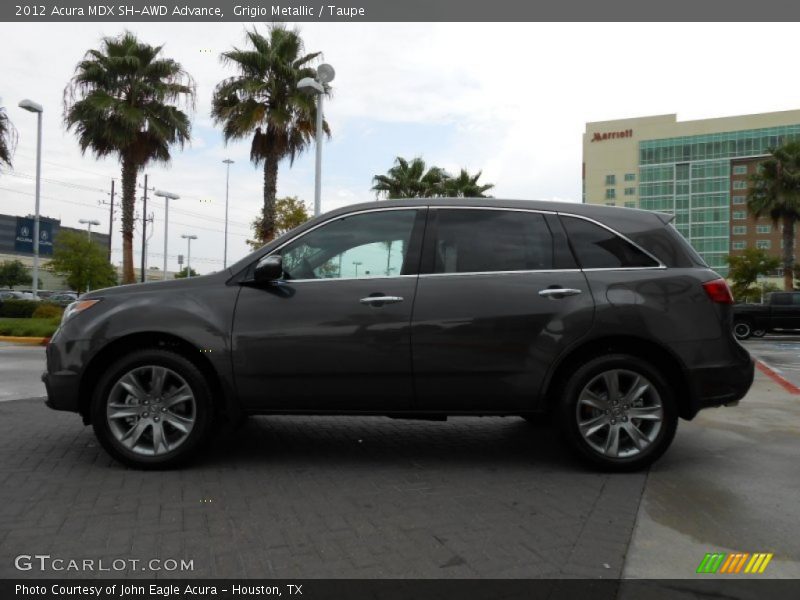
28 327
48 310
18 309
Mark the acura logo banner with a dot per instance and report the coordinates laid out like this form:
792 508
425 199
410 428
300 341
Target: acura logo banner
23 240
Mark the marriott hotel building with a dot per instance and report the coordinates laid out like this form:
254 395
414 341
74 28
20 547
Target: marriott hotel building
697 170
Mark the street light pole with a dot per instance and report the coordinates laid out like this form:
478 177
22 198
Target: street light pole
228 162
34 107
167 197
189 239
89 223
316 85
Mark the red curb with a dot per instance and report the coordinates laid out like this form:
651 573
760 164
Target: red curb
787 385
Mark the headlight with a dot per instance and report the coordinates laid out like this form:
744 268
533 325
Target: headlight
77 307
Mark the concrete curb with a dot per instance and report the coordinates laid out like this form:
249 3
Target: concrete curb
777 378
33 341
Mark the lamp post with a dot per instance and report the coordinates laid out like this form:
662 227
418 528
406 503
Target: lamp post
189 239
317 85
228 162
167 196
34 107
89 223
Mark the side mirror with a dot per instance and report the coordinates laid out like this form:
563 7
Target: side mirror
269 268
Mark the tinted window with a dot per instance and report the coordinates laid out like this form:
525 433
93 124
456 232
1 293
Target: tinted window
475 241
782 299
371 244
598 248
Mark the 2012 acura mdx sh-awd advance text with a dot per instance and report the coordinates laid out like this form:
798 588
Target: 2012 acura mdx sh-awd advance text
605 318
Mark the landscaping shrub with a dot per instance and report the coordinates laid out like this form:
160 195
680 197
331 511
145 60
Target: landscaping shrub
18 308
48 310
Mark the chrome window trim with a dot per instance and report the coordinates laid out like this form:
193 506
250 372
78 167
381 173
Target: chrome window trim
659 266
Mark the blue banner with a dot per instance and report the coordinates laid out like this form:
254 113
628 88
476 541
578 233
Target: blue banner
23 241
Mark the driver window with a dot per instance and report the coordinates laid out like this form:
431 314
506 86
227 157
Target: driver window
360 246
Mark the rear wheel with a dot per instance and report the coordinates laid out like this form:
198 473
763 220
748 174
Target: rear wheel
152 409
618 413
759 333
742 330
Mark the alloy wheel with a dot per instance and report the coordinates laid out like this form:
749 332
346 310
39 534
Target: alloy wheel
619 413
151 410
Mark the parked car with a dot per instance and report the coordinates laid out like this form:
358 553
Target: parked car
15 295
604 317
779 314
63 298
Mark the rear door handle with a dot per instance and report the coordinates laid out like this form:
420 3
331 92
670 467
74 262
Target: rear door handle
380 300
558 292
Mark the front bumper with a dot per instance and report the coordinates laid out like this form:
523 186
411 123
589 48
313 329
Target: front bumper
62 390
719 386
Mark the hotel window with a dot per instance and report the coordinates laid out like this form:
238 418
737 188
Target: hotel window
739 185
763 228
739 214
739 230
630 205
630 176
740 170
763 244
630 191
611 179
739 200
739 245
611 193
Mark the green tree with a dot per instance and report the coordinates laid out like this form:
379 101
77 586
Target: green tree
262 99
8 137
290 212
122 101
410 179
775 191
745 270
83 262
413 179
13 272
465 185
185 272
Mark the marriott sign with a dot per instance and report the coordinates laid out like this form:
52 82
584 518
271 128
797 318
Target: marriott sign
611 135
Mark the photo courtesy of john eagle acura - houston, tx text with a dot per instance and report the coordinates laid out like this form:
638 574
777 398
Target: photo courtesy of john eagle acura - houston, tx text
604 319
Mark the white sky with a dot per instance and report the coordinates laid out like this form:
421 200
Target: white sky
511 99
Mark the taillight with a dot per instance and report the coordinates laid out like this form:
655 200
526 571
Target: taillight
718 291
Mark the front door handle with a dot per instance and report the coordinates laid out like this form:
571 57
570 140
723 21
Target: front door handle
558 292
380 300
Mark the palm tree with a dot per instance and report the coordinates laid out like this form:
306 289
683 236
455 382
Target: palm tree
121 101
775 191
8 137
262 99
466 186
410 179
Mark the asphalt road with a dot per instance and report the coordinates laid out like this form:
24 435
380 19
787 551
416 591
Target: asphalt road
21 369
779 352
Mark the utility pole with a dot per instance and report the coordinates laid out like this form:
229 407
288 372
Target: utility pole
144 229
111 221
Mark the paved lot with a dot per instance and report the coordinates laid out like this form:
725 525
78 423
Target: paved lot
780 352
374 497
20 371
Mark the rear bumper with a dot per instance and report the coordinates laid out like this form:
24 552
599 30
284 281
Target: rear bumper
719 386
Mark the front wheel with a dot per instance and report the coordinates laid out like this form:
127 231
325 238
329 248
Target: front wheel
152 409
618 413
742 330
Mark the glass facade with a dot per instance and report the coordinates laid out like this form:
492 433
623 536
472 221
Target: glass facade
690 177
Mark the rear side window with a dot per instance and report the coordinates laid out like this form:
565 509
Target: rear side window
477 241
596 247
782 299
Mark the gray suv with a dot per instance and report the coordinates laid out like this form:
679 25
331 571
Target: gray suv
604 318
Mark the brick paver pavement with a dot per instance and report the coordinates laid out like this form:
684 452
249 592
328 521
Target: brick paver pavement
317 497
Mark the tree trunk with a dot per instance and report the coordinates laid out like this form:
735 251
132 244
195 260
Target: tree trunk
270 192
788 252
129 172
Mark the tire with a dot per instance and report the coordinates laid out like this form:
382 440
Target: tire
587 419
759 333
147 429
742 330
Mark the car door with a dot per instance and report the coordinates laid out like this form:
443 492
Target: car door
784 310
499 296
334 333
